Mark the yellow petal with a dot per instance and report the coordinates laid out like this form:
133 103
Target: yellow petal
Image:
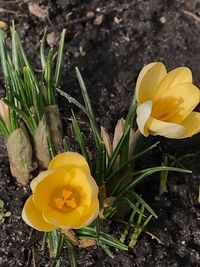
46 188
69 160
85 185
176 103
192 125
92 214
167 129
33 217
39 178
64 220
173 78
148 80
143 114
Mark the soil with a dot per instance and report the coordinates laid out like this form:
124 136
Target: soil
110 54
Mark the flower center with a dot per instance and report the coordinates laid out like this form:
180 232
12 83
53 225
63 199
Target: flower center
165 108
67 200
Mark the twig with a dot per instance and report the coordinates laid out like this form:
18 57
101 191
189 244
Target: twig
33 257
192 15
155 237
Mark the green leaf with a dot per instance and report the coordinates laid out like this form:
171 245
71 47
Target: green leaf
131 160
42 53
88 105
143 203
90 233
59 59
141 175
58 244
79 137
72 255
116 152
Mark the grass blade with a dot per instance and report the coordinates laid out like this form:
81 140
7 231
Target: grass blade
79 136
59 59
141 175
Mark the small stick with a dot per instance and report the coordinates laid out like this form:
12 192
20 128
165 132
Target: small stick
192 15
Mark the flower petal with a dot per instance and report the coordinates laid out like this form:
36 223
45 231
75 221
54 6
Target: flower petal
167 129
33 217
39 178
69 160
45 188
173 78
148 80
64 220
192 125
176 103
85 185
143 114
92 214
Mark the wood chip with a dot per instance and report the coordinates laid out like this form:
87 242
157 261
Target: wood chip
70 234
37 11
3 25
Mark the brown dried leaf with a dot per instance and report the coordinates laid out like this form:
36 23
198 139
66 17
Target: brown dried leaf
20 155
41 144
3 25
37 11
106 140
108 202
86 243
54 124
119 128
52 38
70 234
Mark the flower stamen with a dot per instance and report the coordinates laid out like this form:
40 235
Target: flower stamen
66 199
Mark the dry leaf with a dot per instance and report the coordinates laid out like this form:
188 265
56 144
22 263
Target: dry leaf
3 25
54 125
106 140
4 114
108 202
52 38
20 155
119 129
70 234
37 11
41 144
86 243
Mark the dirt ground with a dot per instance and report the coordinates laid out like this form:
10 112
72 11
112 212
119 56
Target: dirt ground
110 48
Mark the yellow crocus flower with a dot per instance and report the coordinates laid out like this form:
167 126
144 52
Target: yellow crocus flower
166 102
65 196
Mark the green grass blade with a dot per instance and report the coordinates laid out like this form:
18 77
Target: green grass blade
4 130
131 160
116 152
15 59
59 58
143 203
90 233
141 175
72 255
131 204
79 137
57 247
42 53
88 105
73 101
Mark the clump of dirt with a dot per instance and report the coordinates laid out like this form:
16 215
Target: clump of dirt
110 41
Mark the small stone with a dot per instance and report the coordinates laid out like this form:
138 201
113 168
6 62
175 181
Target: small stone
163 20
90 14
3 25
98 20
117 20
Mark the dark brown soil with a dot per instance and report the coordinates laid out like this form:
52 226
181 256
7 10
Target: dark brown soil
132 33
